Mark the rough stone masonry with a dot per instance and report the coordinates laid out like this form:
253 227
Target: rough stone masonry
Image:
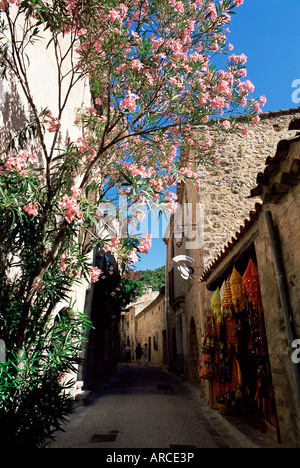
225 188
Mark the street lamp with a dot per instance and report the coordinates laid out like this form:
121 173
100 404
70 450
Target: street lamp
178 232
178 235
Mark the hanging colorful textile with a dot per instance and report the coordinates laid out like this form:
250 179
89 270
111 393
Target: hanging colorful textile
209 337
229 377
225 363
205 365
236 286
217 305
251 284
227 304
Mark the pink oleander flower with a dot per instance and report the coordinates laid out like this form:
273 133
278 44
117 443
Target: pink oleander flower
71 206
211 9
133 257
226 124
218 102
178 7
95 273
21 162
63 262
145 244
81 32
39 286
263 100
113 15
31 209
238 58
52 122
136 64
129 102
257 107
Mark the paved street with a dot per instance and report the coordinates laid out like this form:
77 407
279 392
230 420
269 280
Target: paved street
147 407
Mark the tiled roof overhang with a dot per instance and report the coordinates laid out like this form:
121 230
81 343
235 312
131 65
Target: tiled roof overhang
248 223
269 190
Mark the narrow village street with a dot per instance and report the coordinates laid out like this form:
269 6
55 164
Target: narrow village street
144 407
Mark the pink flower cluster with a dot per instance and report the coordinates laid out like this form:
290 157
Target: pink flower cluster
31 208
145 244
130 274
242 59
113 246
52 122
129 103
133 257
211 10
118 15
20 163
95 273
178 6
71 205
85 148
63 265
138 171
39 286
69 265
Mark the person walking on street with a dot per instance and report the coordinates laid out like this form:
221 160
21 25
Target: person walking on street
145 354
138 353
127 354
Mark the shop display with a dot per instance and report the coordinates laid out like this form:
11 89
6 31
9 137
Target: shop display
234 346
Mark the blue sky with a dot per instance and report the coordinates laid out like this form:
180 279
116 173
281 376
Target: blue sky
267 32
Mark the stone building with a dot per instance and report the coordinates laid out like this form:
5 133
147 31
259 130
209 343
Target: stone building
270 237
150 329
208 217
225 188
130 335
220 209
182 293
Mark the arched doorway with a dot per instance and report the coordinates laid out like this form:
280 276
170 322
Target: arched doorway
193 352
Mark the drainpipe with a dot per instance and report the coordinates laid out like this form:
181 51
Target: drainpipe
283 291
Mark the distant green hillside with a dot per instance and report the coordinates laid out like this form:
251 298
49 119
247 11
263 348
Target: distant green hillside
154 278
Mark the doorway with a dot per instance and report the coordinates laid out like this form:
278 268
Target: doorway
193 353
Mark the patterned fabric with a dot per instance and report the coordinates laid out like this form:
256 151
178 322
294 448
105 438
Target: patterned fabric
251 284
236 286
217 305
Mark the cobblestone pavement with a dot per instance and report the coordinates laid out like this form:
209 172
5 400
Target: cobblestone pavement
147 407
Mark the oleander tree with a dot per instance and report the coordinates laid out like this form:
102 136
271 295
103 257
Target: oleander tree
165 91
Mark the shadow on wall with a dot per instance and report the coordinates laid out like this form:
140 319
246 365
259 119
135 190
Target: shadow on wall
17 123
12 111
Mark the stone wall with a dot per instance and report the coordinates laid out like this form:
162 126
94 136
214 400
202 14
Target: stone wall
151 329
225 188
285 210
225 194
142 320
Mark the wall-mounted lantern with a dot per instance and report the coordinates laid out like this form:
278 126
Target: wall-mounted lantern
178 235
